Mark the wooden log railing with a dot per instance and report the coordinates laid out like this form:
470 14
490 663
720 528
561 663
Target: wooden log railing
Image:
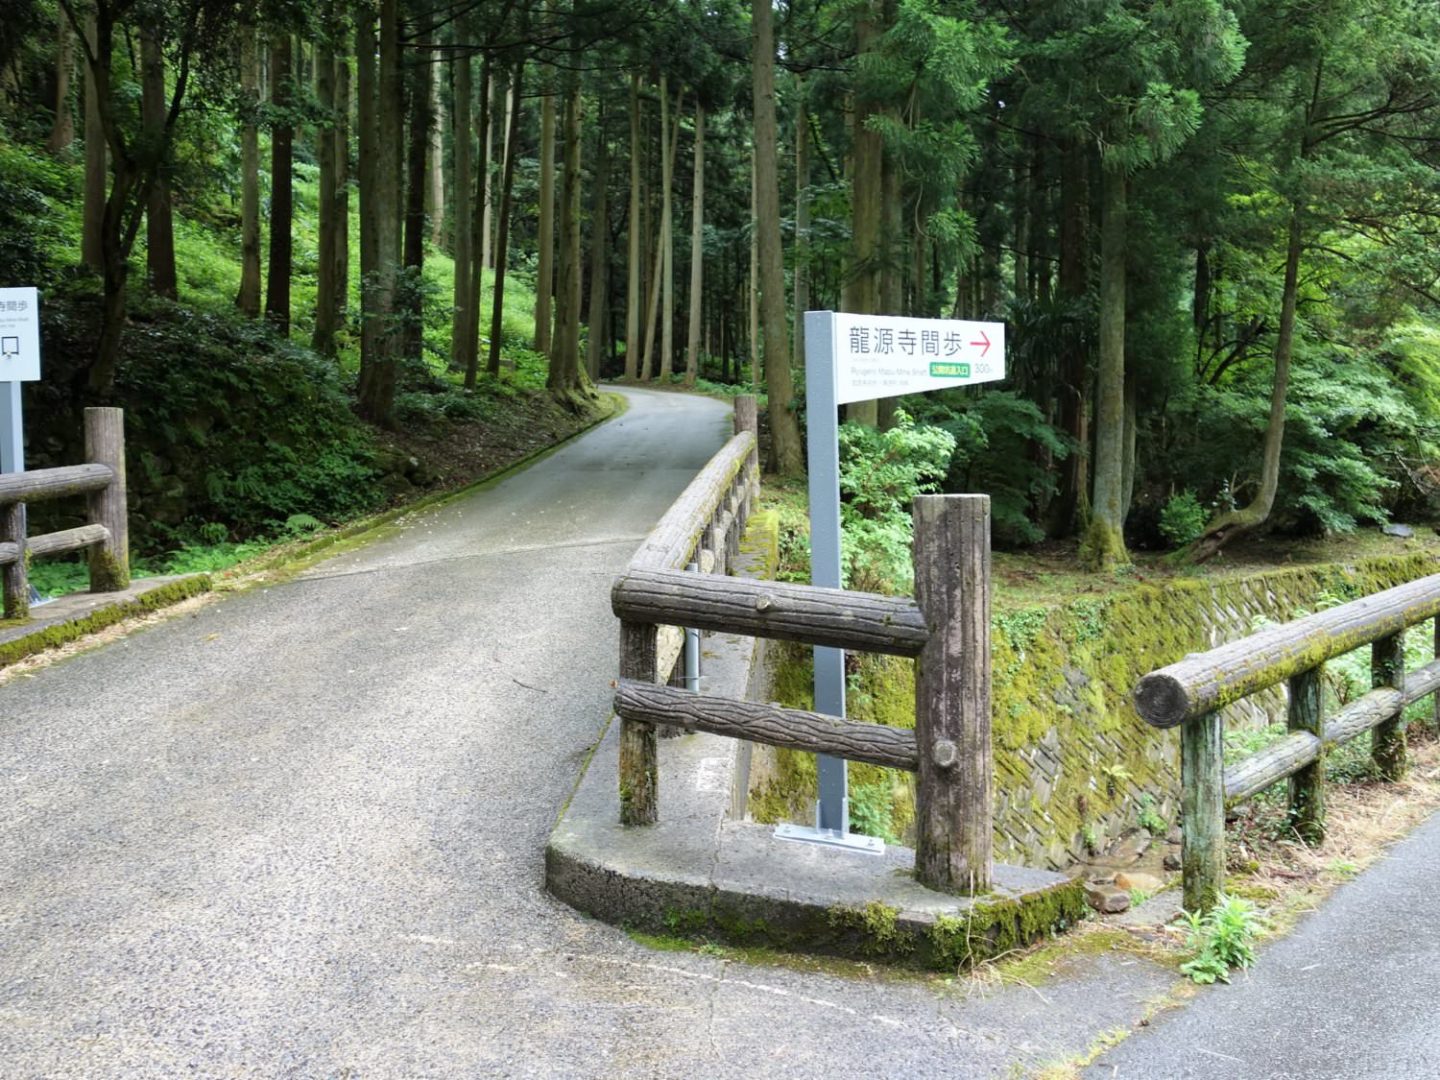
106 537
946 627
1192 692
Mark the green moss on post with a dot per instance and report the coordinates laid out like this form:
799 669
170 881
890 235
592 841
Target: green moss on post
1387 743
1307 787
1202 810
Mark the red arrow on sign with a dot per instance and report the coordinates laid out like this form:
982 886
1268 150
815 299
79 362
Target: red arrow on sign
984 341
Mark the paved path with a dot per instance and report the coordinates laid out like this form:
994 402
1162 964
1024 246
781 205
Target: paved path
301 833
1349 995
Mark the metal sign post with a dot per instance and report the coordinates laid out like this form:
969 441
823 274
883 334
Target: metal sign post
19 362
857 358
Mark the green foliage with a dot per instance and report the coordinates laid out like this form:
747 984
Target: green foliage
881 472
870 811
1183 519
1221 939
1003 444
1150 819
32 191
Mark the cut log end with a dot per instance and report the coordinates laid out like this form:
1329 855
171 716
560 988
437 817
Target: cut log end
1161 700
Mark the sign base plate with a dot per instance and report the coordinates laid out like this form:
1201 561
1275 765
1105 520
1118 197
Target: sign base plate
868 845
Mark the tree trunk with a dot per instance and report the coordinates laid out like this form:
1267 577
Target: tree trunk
416 182
667 243
91 239
545 271
248 298
377 379
1068 509
599 253
327 311
464 326
668 139
697 250
1104 542
159 218
752 283
502 224
486 254
802 224
1228 526
367 170
479 221
341 194
784 428
633 256
436 164
867 207
564 377
282 133
62 131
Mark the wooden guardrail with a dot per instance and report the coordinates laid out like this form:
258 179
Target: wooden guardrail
102 481
1191 694
946 627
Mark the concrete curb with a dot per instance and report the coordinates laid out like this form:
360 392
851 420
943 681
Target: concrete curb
70 618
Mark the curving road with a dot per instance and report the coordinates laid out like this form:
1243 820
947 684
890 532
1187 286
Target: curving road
300 833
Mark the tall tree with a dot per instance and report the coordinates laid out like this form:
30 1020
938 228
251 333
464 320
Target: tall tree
384 207
62 131
327 153
545 264
697 249
784 427
502 223
463 343
280 268
598 316
159 215
633 298
248 298
565 377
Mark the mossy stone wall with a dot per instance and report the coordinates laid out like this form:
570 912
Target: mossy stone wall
1074 763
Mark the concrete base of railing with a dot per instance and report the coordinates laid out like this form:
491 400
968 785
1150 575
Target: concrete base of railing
69 618
703 870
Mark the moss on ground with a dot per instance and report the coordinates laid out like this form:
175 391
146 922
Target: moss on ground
49 637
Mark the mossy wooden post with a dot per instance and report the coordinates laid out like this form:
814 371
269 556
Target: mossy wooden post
105 445
15 574
1387 668
953 830
1435 700
1202 810
1307 787
747 418
638 752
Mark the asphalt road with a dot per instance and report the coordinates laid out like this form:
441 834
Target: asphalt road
300 833
1349 995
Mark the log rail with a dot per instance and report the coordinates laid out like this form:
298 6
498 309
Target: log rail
946 628
1190 694
102 481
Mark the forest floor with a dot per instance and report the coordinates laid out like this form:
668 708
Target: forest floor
1049 573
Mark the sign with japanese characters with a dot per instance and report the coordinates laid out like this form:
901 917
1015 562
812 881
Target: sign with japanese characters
19 335
878 356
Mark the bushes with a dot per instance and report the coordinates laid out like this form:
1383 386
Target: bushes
225 423
881 472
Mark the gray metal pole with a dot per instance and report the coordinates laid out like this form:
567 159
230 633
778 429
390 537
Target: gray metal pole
823 444
692 650
12 429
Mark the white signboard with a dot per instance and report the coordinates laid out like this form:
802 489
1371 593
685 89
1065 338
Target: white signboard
19 335
879 356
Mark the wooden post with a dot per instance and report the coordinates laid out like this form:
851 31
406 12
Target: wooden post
15 575
639 763
1435 699
747 418
1202 810
105 445
1307 787
953 831
1387 743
